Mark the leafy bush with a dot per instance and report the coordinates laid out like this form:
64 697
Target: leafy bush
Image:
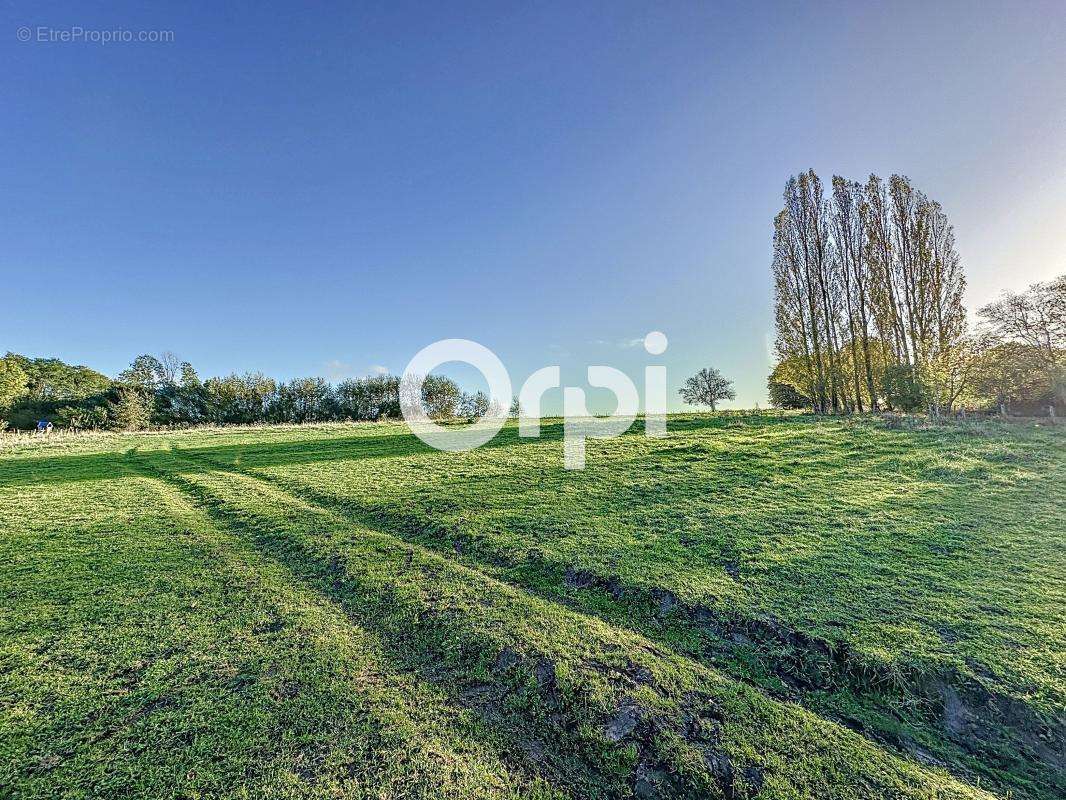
371 398
901 388
440 397
132 411
782 395
473 406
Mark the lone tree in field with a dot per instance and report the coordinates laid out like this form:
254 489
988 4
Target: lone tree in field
706 388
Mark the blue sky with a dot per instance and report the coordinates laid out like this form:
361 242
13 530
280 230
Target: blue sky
325 189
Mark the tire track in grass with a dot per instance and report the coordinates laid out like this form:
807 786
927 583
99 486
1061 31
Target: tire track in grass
390 717
616 699
147 654
806 665
518 742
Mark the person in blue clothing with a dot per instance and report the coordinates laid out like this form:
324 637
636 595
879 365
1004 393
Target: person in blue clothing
44 426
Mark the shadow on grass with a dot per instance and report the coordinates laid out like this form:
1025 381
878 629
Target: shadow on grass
102 466
424 647
549 577
28 471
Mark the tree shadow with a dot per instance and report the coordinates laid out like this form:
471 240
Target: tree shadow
542 745
32 469
923 553
28 471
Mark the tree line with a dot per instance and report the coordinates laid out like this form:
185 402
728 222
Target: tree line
165 391
869 314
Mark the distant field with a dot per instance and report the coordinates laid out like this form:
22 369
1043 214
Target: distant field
752 606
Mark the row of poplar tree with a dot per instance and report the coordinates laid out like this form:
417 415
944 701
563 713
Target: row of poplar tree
869 301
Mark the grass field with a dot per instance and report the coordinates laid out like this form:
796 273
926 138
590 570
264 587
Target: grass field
752 606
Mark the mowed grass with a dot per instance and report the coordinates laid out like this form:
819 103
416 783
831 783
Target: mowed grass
752 606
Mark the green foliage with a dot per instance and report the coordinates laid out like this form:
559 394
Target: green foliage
52 385
1012 374
473 406
440 396
301 400
784 396
13 381
181 401
172 395
901 388
238 398
131 410
784 390
145 374
79 418
371 398
50 379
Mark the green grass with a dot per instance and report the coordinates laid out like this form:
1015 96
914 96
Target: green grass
752 606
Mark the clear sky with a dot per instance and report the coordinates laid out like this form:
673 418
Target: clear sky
326 188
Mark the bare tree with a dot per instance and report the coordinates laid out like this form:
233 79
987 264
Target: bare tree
795 341
882 265
170 367
849 230
1036 317
801 257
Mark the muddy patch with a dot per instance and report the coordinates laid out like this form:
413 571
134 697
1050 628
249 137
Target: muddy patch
969 714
